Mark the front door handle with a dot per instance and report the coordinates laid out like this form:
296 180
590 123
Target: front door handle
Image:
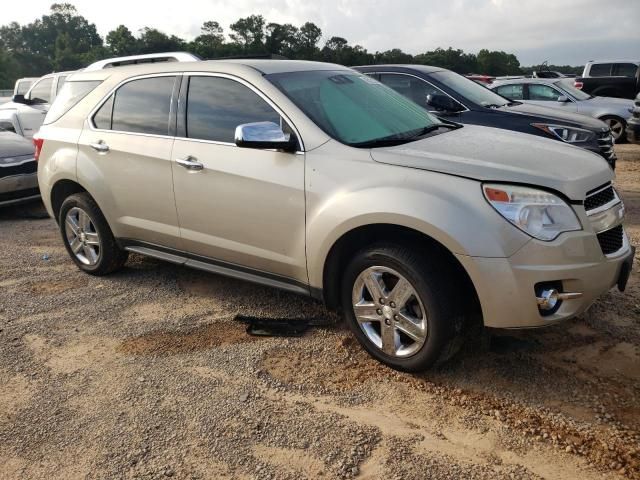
190 163
100 147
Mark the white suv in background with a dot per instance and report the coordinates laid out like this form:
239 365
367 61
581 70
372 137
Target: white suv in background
25 113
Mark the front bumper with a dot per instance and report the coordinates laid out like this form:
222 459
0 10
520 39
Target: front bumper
18 188
633 130
506 287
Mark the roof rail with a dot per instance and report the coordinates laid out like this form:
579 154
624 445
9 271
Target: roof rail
146 58
255 56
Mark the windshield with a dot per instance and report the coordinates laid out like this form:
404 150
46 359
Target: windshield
567 86
353 108
478 94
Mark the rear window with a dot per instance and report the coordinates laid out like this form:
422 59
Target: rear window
600 70
69 96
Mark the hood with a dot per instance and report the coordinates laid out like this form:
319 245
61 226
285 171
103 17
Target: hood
611 102
10 106
491 154
13 145
553 115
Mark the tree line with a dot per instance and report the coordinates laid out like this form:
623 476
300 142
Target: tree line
64 40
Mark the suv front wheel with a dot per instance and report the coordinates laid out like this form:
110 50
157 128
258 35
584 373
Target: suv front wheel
401 307
87 236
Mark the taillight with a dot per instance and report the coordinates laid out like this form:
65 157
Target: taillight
578 85
38 143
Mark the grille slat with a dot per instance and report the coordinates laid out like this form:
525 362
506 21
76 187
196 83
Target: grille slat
24 169
611 241
599 198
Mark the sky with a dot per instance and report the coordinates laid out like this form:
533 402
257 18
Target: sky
560 31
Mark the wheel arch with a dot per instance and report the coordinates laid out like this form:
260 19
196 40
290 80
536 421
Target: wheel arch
60 191
365 235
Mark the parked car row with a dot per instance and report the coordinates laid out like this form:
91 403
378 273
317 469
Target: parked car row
455 97
563 96
341 185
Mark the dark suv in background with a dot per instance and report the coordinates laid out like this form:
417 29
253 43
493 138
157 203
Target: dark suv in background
619 78
459 99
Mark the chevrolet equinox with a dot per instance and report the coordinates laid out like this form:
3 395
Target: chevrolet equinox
317 179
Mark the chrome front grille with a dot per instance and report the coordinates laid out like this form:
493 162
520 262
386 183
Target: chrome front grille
605 142
600 197
612 240
606 211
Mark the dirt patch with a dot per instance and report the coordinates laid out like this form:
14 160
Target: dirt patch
54 287
175 342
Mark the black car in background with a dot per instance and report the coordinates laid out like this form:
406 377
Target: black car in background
633 124
459 99
18 169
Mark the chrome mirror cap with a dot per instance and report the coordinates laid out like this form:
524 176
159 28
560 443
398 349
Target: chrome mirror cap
264 135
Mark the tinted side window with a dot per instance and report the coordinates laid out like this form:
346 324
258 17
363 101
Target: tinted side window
216 106
600 70
624 70
411 87
543 92
512 92
61 81
142 106
102 118
41 91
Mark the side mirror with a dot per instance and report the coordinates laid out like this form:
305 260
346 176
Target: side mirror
20 99
443 102
264 135
563 99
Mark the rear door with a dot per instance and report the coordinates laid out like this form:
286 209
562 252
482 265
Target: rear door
124 159
244 207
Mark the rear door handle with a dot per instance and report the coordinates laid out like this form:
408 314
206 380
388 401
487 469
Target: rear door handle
100 147
190 163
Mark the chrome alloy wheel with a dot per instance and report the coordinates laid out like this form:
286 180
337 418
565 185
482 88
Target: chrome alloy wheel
82 236
616 126
389 311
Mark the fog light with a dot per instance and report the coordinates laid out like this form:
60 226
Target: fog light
548 299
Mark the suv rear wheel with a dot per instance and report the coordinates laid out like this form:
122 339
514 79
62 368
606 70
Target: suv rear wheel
401 307
87 236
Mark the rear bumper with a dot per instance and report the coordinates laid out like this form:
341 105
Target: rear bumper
506 287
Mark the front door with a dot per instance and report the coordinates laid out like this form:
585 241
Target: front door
244 207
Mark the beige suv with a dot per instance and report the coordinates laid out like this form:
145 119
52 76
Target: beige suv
316 179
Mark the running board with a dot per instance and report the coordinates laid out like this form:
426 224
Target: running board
226 271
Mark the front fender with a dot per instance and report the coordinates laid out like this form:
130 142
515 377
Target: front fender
449 209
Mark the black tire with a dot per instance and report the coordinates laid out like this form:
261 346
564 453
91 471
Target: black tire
623 135
433 281
111 257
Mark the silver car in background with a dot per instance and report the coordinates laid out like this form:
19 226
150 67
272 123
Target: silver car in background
561 94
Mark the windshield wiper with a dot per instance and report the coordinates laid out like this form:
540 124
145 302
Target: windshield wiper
400 139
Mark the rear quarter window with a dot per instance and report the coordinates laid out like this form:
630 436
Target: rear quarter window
68 97
600 70
624 70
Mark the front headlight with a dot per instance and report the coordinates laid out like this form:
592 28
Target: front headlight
540 214
566 134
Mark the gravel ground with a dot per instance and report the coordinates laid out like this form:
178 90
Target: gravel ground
146 374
